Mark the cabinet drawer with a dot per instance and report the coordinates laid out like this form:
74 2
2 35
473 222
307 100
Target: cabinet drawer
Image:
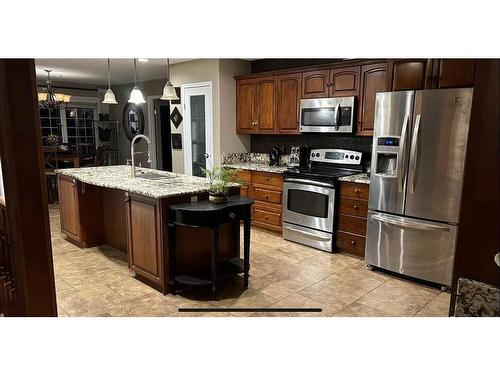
242 176
260 215
265 195
353 190
352 224
271 179
351 244
355 207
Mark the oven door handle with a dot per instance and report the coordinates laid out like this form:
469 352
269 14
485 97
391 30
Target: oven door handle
311 235
309 182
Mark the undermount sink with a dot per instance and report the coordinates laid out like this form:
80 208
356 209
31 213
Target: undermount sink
153 176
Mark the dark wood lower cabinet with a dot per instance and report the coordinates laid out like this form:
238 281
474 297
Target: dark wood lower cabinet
145 238
137 224
351 227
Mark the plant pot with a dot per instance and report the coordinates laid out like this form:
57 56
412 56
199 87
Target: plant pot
217 198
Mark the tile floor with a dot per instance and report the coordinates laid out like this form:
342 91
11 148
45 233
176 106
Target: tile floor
96 282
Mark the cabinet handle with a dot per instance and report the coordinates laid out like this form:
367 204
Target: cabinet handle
356 191
265 217
267 178
267 196
355 206
353 243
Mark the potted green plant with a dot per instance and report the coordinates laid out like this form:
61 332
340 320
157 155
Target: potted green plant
219 179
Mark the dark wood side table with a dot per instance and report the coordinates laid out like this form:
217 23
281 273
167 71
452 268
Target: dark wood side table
210 215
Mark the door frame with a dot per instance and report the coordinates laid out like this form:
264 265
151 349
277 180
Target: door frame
186 129
152 129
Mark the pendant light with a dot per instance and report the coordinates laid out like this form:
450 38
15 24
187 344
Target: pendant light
109 96
169 90
136 96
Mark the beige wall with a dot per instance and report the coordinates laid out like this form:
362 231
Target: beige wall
218 71
229 140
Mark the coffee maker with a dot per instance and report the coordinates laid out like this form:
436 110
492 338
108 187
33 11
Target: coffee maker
299 157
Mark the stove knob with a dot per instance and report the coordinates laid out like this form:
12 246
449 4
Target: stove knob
317 154
347 156
357 157
352 157
312 154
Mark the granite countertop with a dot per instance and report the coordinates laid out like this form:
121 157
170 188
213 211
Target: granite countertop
360 178
118 177
258 167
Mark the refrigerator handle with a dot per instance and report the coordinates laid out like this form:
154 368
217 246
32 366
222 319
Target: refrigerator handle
414 155
402 152
402 222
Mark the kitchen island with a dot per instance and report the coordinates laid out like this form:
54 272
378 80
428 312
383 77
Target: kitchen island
106 206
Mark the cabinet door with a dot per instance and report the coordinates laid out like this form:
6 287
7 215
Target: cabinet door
373 80
315 84
265 105
289 86
244 105
450 73
69 208
344 81
415 74
144 238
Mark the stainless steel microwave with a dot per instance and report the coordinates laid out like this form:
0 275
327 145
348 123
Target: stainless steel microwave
327 115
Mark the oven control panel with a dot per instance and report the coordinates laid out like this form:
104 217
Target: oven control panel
337 156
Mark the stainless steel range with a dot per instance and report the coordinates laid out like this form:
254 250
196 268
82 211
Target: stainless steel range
310 197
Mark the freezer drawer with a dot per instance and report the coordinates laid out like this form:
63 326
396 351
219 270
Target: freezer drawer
417 248
307 236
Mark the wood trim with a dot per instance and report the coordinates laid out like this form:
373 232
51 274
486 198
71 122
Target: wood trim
477 239
25 188
346 63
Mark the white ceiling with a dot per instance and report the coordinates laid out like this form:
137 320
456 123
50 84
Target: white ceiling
94 71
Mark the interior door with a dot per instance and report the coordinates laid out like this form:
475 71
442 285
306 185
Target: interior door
198 129
393 113
163 136
437 154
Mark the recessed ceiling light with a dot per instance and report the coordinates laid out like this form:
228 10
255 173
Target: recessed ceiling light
143 60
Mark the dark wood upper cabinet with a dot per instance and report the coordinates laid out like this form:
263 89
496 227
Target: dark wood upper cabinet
373 80
315 84
256 105
409 74
245 89
265 104
289 92
344 81
450 73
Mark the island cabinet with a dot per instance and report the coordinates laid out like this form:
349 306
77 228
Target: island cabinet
267 191
147 240
80 212
353 210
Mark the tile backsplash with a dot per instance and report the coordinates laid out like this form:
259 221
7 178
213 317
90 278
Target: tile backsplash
262 143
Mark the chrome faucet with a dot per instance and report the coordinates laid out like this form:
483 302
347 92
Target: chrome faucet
132 152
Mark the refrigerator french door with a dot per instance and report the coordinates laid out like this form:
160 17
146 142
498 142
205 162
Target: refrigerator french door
419 146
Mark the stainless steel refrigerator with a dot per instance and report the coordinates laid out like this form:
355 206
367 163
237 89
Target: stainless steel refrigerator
418 157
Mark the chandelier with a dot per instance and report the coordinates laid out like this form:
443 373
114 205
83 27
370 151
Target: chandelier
51 99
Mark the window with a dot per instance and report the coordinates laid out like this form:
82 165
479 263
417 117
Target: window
79 124
50 120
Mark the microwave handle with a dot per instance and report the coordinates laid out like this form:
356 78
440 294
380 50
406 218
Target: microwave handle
337 119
